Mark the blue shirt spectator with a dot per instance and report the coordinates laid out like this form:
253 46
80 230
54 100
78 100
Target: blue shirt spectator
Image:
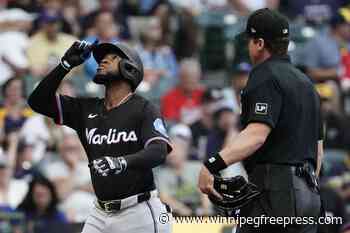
160 66
44 224
160 59
322 58
322 52
320 11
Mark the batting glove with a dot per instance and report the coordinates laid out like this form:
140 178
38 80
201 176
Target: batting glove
109 165
77 54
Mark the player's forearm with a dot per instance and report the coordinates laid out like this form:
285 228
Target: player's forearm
152 156
246 143
43 98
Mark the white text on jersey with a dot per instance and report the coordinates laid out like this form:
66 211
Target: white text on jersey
112 137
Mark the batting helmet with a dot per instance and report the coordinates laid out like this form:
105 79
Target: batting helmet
130 67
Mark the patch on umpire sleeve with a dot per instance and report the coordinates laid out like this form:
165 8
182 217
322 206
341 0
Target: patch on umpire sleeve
261 108
159 126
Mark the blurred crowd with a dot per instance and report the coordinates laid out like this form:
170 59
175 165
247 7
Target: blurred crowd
196 64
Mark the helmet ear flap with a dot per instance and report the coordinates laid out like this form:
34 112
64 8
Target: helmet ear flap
129 71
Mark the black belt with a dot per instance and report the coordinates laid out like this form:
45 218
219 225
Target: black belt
116 205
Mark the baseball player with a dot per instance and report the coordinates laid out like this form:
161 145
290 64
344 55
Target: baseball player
281 143
123 135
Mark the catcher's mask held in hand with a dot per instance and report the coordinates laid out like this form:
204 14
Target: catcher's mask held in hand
236 193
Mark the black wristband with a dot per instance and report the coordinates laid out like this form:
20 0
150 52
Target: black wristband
215 164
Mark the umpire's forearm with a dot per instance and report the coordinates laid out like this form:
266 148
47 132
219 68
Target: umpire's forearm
245 143
152 156
319 157
43 98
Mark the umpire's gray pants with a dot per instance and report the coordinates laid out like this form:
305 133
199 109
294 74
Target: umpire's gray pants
145 217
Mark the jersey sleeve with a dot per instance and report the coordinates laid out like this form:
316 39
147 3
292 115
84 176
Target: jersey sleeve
153 127
69 110
262 104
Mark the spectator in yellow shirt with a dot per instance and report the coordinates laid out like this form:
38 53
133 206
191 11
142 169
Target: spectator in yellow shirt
48 44
13 110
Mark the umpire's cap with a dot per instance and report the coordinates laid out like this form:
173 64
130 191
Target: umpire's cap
268 25
131 67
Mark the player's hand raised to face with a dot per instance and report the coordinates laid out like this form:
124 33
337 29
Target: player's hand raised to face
77 54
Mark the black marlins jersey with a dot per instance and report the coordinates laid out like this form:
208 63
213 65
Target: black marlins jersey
121 131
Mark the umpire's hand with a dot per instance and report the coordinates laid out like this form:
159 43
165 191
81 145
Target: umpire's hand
77 54
108 165
206 183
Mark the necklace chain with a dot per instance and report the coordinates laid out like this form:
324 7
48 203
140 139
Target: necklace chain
124 99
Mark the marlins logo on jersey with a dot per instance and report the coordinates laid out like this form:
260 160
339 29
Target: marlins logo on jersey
111 137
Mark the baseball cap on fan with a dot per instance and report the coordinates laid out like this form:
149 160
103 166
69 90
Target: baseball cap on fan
268 25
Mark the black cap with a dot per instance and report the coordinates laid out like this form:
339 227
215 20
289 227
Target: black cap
267 24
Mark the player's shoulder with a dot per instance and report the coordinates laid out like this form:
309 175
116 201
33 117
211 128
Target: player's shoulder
136 98
143 103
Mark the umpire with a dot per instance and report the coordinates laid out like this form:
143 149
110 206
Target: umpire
281 143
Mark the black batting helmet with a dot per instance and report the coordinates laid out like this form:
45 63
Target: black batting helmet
131 67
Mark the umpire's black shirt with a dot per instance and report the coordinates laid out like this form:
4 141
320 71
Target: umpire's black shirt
279 95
